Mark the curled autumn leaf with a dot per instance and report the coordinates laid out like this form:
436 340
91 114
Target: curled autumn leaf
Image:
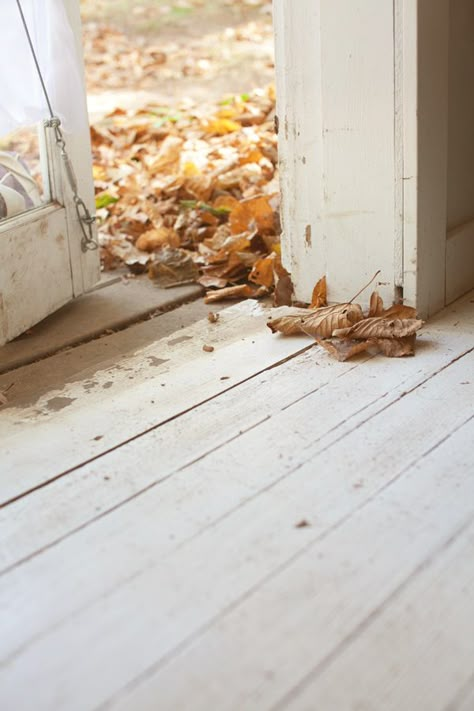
379 327
376 305
154 239
325 321
344 348
289 325
396 311
255 214
319 323
319 296
262 272
241 291
396 347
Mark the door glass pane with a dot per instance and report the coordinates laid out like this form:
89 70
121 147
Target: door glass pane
24 181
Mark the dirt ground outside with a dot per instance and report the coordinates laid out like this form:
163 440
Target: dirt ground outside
167 51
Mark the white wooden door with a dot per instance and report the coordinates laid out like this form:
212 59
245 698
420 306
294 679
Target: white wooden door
376 124
42 262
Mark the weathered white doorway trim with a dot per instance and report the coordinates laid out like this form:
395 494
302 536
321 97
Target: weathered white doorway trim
42 265
363 107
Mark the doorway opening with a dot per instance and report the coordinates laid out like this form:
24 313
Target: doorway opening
182 106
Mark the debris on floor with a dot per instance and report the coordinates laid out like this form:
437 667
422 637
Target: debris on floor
344 330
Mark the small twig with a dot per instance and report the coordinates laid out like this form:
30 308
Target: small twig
364 287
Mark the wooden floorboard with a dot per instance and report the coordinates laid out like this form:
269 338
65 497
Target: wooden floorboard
85 420
255 653
38 520
390 664
177 556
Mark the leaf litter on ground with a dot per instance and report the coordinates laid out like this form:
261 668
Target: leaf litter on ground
344 331
194 197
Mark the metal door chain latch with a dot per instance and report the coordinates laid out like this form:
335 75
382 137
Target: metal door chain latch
86 219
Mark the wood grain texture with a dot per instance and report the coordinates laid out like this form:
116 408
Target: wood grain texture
428 625
301 616
50 513
128 398
176 597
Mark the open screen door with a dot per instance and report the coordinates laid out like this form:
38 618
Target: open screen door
44 261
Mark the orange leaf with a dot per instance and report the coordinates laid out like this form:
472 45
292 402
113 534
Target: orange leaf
254 214
262 272
319 297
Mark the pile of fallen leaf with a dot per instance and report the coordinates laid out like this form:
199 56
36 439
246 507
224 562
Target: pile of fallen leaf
192 195
344 330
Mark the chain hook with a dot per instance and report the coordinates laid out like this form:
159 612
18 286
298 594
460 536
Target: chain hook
86 220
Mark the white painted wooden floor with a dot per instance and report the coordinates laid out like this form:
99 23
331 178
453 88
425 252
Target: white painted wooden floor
150 552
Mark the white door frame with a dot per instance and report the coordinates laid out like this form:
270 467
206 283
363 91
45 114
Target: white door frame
42 264
362 89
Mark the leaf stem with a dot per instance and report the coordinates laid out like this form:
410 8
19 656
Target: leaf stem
364 287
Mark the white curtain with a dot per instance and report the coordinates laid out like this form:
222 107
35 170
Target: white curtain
22 101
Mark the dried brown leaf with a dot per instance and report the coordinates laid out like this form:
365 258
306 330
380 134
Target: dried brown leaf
241 291
168 154
325 321
262 272
396 347
284 289
255 214
376 305
319 296
287 325
173 266
151 240
396 311
400 311
379 327
344 348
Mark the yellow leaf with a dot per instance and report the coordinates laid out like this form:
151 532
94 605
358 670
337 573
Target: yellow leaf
221 126
190 169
